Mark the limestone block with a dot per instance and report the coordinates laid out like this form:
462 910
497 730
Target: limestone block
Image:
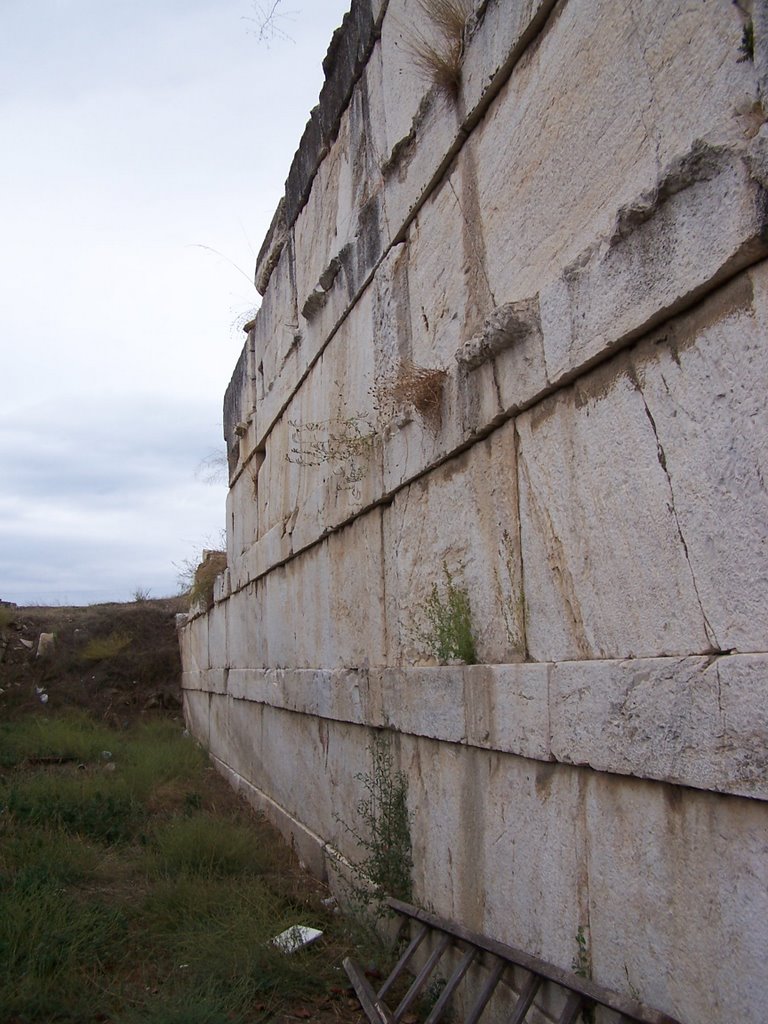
493 832
502 367
705 391
242 518
274 548
403 87
193 645
217 636
499 707
329 217
324 758
430 705
246 642
239 401
196 705
278 358
652 263
325 608
461 517
540 149
606 571
694 721
418 161
271 248
193 640
496 43
506 708
677 897
334 436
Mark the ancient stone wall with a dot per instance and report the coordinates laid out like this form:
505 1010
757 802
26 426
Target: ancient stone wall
512 349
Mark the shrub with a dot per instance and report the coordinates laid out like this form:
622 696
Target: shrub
449 633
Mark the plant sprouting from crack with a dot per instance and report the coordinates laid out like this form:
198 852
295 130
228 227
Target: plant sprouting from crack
412 385
333 441
384 835
448 635
438 59
582 966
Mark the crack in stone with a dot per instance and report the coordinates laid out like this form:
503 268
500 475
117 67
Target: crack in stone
661 455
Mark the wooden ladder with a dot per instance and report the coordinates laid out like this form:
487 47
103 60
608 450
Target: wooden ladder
581 993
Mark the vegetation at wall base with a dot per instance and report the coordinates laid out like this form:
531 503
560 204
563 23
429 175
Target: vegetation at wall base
383 835
136 888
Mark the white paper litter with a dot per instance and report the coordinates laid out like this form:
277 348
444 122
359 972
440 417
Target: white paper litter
296 937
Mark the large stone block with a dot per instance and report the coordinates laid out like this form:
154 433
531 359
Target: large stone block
457 527
600 70
325 607
704 381
677 897
652 264
605 567
693 721
492 832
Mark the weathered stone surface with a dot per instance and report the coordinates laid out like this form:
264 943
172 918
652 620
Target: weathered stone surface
704 388
573 246
694 721
606 573
196 708
457 527
217 636
652 264
690 872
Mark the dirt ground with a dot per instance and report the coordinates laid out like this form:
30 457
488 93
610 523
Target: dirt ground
116 661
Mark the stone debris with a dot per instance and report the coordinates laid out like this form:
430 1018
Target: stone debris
298 936
45 644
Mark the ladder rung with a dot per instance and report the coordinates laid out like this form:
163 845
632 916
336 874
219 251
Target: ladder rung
526 997
421 977
402 963
451 985
486 991
375 1010
572 1008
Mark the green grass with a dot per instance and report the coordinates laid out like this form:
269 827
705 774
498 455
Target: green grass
137 889
74 736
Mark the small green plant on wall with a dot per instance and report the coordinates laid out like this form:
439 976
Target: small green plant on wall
448 634
384 833
582 965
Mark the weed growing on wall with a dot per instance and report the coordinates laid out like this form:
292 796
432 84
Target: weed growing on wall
384 835
330 441
448 635
582 965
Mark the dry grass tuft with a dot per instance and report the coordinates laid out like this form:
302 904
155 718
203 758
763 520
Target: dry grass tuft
449 16
440 61
413 385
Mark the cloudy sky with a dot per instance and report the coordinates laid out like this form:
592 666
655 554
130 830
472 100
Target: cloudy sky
139 140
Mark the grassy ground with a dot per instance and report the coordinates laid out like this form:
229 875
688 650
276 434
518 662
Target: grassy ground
135 887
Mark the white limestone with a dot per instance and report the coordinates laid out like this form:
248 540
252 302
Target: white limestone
574 246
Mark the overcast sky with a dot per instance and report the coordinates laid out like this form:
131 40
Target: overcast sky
136 137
